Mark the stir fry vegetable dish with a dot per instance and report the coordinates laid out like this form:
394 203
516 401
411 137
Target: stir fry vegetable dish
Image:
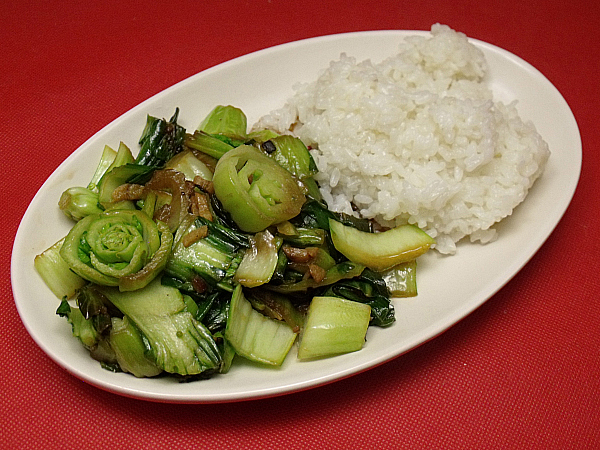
215 244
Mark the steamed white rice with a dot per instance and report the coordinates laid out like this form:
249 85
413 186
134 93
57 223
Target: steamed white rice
417 138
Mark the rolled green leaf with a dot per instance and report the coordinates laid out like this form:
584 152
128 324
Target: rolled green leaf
156 264
255 189
114 248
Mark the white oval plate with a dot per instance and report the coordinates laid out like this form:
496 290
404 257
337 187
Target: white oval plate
449 288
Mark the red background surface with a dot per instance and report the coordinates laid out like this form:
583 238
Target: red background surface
522 371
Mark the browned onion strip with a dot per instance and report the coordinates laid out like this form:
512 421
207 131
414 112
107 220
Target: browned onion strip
317 272
128 192
174 182
300 255
194 236
201 206
205 185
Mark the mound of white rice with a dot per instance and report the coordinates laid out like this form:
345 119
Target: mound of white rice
417 138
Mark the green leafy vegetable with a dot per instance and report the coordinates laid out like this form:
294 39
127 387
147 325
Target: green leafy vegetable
276 306
187 163
215 244
177 343
402 279
111 248
160 141
106 160
82 329
96 308
260 260
225 120
208 144
126 173
255 190
333 326
305 237
56 273
380 251
291 153
315 214
368 288
131 349
226 238
79 202
341 271
210 257
255 336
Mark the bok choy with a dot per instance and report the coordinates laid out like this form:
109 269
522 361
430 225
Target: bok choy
215 245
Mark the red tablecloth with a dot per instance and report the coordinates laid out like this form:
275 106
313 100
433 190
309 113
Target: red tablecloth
522 371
